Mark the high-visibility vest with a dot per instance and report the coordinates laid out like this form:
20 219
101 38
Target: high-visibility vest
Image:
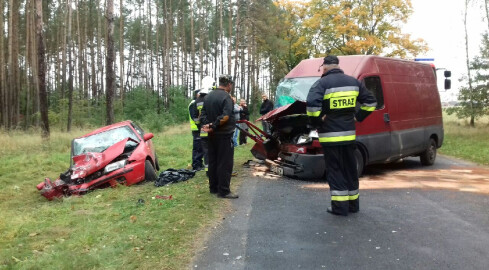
193 125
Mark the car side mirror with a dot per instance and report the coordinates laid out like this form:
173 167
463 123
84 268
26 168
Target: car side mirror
148 136
448 84
448 74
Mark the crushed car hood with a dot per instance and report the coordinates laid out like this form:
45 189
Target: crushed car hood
298 107
88 163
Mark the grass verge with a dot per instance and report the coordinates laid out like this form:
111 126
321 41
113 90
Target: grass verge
106 228
465 142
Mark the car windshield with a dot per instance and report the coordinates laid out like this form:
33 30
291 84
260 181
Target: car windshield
99 142
292 89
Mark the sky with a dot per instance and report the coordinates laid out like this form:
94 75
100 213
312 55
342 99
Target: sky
440 24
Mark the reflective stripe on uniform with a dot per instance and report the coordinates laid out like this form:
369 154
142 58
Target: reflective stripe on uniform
341 94
339 195
369 107
353 197
340 198
341 91
204 134
340 136
314 111
339 192
353 194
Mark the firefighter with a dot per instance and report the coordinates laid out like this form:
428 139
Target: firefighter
208 84
194 118
218 120
331 109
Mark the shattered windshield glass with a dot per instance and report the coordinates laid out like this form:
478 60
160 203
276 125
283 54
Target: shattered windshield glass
292 89
99 142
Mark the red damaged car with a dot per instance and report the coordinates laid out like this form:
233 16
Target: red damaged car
120 153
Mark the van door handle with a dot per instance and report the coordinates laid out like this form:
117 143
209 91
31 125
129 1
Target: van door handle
387 118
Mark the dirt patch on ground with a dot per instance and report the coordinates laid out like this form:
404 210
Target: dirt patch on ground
462 179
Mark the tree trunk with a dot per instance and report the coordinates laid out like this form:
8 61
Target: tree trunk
221 37
41 71
100 66
486 5
121 53
167 68
34 63
80 51
109 62
70 69
13 65
201 43
3 83
216 49
471 89
238 22
230 34
85 58
158 61
192 42
28 60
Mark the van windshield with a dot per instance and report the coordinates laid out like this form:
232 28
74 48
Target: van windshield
292 89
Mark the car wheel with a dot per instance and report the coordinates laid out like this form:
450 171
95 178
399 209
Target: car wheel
149 171
360 161
428 157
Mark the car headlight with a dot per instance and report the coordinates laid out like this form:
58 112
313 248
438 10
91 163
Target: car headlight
114 166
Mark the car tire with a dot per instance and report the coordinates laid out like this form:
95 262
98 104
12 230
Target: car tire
428 157
149 171
360 161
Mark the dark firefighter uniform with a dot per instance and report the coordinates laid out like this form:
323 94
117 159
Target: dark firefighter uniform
218 112
331 104
197 151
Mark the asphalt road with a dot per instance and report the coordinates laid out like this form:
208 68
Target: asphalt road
411 217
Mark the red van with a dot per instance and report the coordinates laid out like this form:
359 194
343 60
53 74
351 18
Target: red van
407 121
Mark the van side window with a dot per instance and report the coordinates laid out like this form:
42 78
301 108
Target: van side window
375 87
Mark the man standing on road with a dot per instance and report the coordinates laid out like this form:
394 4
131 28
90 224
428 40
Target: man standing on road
266 107
331 106
219 122
197 151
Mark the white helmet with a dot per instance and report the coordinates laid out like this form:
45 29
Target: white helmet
207 84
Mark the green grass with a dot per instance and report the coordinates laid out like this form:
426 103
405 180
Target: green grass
465 142
106 228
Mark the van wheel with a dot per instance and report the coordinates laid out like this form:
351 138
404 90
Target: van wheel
428 157
360 162
149 171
